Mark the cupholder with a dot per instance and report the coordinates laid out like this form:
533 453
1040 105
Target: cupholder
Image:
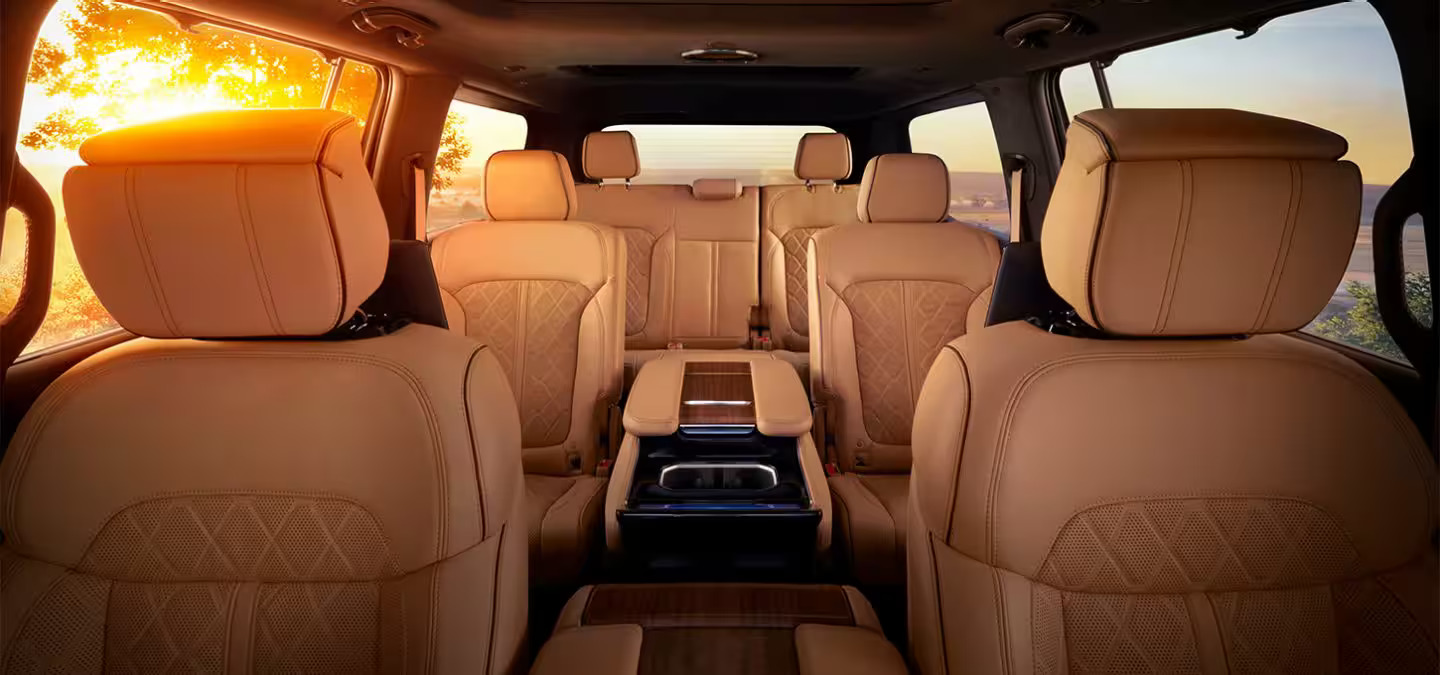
715 476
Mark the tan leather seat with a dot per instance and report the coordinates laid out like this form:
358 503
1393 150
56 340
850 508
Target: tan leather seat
885 296
271 504
546 293
693 251
790 215
1194 492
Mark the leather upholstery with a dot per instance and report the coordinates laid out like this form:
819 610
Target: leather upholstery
884 298
1199 505
547 296
675 629
529 185
261 505
904 188
781 409
692 262
268 258
1150 207
789 216
610 154
715 189
823 157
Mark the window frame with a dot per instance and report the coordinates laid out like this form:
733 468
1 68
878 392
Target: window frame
475 97
969 97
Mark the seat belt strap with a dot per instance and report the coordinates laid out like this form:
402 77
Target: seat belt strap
422 199
1017 204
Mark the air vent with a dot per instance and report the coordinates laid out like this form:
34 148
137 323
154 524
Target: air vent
719 53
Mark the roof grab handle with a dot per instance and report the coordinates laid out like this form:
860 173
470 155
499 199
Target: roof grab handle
410 29
1035 30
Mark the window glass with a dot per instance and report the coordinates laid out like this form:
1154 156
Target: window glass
1333 67
12 260
472 133
100 65
1417 272
964 138
355 92
754 154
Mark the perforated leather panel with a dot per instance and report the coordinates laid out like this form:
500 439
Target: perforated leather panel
534 328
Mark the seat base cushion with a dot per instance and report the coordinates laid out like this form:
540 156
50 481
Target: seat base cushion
700 629
870 524
563 514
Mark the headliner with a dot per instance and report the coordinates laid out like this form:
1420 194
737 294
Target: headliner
821 60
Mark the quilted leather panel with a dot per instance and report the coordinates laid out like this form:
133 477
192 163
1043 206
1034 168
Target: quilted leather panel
1129 634
64 632
1198 544
900 326
797 290
1377 634
1277 631
1047 616
325 627
235 537
639 247
162 628
534 328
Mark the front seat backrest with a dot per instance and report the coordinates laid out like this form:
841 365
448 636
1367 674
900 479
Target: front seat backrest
547 293
1183 489
885 295
287 502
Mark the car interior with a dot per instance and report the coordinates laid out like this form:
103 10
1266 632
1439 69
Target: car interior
650 337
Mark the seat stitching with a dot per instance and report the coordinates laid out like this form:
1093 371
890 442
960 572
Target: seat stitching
1177 247
470 433
142 241
341 286
1282 253
494 601
939 612
257 261
964 428
1045 368
61 389
1002 625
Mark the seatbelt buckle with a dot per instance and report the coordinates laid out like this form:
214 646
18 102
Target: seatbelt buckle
675 345
602 469
831 469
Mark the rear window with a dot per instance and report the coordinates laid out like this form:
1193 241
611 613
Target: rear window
673 154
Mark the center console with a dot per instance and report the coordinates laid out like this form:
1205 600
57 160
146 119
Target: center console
717 475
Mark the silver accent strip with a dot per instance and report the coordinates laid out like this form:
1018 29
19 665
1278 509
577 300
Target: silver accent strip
774 477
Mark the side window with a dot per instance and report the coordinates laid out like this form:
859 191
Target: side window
963 137
99 65
1333 67
754 154
472 133
12 260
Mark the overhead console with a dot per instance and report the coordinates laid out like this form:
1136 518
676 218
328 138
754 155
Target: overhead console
717 475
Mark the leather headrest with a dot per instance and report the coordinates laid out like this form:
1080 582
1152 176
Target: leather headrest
904 188
715 189
529 185
229 224
610 154
1199 222
823 157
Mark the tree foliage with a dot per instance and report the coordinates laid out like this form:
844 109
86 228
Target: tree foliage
1361 325
454 149
108 41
